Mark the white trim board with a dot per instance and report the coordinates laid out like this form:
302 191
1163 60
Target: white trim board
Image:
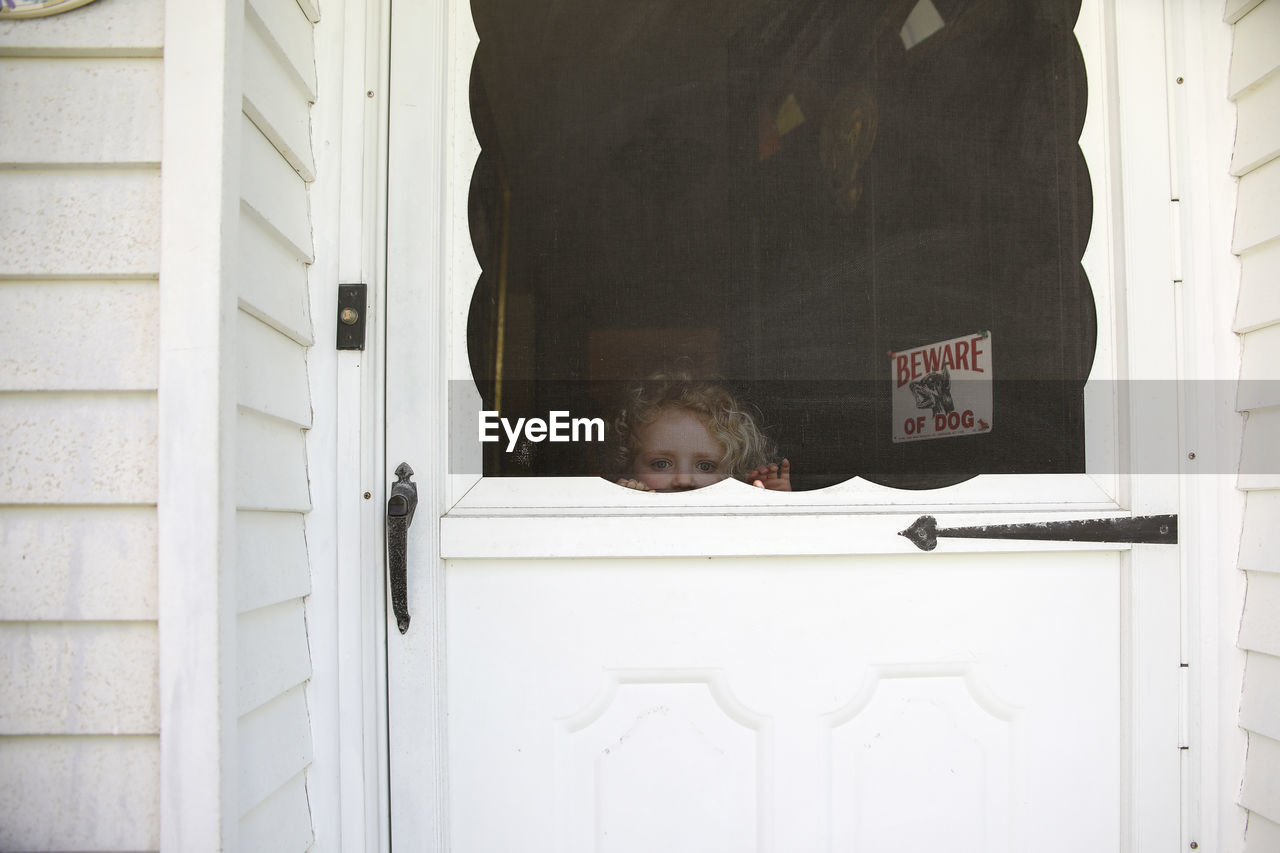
196 511
347 784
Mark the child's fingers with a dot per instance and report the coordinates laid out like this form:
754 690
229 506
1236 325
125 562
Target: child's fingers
777 477
765 472
782 483
758 484
633 484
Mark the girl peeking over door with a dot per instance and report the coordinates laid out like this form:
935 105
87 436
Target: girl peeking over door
675 433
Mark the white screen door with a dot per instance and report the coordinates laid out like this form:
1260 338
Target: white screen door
591 668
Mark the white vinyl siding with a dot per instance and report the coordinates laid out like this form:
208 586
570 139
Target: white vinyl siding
272 282
281 821
272 493
80 106
1255 89
93 792
77 563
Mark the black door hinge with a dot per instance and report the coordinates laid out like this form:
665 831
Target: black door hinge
351 311
1150 529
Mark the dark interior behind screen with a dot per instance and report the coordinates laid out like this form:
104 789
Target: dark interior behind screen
779 195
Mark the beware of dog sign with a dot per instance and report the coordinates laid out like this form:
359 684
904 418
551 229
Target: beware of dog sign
942 390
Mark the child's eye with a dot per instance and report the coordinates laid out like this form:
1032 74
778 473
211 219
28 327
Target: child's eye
660 464
707 467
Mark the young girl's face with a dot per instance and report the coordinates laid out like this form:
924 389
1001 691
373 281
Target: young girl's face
675 452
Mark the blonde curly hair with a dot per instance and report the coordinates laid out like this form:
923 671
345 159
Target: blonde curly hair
728 421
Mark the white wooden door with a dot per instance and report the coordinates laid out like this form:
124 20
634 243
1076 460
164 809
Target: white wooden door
587 669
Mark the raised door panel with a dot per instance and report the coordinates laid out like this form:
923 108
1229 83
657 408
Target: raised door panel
824 703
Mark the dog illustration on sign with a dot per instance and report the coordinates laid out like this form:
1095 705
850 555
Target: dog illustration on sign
933 392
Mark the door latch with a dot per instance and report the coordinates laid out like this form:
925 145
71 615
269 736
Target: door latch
1146 529
400 507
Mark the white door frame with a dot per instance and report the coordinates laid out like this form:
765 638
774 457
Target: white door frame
347 784
416 142
420 36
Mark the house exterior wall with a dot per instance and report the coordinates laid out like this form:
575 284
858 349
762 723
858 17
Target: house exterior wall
273 413
91 492
81 719
80 103
1255 89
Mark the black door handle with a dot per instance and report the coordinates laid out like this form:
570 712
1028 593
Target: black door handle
1150 529
400 507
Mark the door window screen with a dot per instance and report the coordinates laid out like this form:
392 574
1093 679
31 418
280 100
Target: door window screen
855 216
